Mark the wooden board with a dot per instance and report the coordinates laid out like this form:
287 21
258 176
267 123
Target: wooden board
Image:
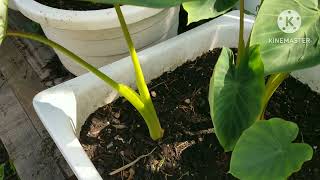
24 144
28 143
37 54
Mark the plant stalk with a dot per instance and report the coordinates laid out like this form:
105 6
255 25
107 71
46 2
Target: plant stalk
272 85
134 98
149 113
142 87
241 44
67 53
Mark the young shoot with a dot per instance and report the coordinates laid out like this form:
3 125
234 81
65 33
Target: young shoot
141 101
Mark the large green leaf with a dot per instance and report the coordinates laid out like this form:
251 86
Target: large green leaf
205 9
235 95
286 57
264 151
146 3
3 19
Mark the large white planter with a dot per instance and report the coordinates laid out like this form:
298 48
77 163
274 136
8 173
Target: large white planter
12 5
63 109
96 35
310 76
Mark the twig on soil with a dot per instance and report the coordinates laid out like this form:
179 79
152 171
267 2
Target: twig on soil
183 175
201 132
131 164
156 85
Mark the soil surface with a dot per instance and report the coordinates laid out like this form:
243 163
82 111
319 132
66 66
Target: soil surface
74 5
116 134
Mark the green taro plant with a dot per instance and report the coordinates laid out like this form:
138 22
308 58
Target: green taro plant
8 171
238 95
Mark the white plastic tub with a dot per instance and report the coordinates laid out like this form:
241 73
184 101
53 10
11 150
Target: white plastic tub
96 35
12 5
64 109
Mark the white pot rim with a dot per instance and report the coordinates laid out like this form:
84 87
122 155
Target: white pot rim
82 20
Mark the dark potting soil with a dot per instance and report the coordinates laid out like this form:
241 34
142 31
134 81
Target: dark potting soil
116 134
74 5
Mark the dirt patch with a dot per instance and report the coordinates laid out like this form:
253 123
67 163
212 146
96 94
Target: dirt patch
116 134
74 5
57 73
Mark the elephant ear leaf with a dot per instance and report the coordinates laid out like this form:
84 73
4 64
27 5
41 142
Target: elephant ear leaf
3 19
205 9
288 34
265 151
235 95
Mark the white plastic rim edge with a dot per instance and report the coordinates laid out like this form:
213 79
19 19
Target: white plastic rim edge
12 5
81 20
63 109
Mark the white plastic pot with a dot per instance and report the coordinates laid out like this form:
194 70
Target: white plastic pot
310 76
96 36
12 5
64 109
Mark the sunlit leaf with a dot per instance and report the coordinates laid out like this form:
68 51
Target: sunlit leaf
3 19
205 9
282 49
235 95
265 151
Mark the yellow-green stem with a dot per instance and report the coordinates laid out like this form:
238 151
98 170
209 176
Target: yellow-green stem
272 85
241 44
149 114
67 53
134 98
142 87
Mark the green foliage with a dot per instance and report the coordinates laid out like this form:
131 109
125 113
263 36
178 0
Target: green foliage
205 9
265 151
236 94
146 3
8 171
288 57
3 19
2 171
